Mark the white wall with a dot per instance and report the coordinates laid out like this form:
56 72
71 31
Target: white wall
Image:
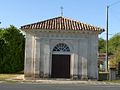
29 55
83 52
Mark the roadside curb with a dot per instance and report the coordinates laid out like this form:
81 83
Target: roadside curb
60 82
20 79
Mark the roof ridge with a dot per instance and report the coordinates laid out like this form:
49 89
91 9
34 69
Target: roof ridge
44 20
52 18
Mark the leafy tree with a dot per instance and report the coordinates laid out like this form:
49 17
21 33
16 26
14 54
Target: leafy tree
114 43
2 50
101 45
12 43
114 49
115 59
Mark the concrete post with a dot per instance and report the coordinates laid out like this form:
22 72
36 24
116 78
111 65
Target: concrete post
112 74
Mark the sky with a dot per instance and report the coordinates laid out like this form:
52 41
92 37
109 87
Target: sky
22 12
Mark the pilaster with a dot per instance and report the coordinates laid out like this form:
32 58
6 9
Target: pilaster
84 48
75 67
46 59
37 58
93 68
28 64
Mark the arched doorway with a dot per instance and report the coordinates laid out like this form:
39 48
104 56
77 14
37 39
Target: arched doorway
61 61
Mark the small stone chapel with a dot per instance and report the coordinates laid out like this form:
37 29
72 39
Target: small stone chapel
61 48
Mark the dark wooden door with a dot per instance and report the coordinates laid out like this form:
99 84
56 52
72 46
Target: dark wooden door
60 66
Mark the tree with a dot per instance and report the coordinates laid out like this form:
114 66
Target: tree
114 49
2 50
115 59
12 41
101 45
114 43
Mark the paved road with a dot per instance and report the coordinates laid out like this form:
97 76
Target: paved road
17 86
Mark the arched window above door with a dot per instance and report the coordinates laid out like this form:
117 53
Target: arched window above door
61 47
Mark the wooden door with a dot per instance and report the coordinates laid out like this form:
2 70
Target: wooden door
60 66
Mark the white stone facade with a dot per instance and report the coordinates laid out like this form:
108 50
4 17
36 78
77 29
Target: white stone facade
83 53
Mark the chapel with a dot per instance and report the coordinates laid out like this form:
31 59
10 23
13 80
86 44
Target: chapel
61 47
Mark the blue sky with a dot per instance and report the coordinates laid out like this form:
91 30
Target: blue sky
21 12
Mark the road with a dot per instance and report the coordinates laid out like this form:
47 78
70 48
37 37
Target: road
18 86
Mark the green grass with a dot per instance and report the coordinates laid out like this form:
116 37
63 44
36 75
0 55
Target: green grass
7 76
113 81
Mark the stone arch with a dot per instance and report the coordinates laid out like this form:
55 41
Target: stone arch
60 61
61 47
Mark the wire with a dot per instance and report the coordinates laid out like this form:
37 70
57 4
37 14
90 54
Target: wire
114 3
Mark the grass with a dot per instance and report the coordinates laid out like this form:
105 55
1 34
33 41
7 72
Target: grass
7 76
113 81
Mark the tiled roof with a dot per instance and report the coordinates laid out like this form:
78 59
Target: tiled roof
61 23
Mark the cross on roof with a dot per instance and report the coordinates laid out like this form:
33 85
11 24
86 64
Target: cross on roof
61 10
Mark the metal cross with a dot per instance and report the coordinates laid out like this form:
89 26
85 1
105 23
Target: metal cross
61 10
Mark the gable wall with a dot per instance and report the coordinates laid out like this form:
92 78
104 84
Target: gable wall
83 50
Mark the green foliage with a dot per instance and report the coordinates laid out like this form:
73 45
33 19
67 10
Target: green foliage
114 49
114 43
115 59
117 56
11 50
101 45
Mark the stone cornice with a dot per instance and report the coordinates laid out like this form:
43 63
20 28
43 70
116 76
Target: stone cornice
61 35
38 31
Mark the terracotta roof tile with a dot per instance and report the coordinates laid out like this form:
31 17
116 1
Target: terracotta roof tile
61 23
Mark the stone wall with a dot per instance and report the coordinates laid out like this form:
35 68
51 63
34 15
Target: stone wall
83 51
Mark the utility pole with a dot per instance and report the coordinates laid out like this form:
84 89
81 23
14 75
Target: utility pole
0 22
107 38
107 17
